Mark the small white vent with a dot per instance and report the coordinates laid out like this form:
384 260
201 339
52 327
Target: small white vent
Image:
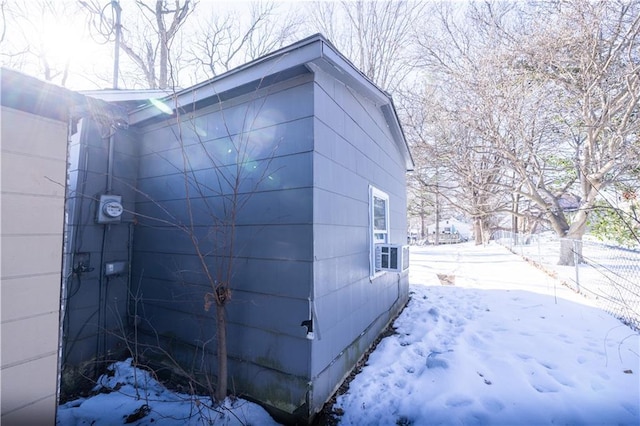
392 257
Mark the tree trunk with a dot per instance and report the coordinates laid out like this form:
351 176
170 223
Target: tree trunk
477 231
436 237
514 218
221 325
566 252
571 244
486 232
571 250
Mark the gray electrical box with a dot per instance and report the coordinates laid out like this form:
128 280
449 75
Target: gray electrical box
109 209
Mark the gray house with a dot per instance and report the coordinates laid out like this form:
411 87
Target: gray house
290 168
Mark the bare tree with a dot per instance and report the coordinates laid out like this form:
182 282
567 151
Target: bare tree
420 204
216 185
554 98
147 33
32 41
427 181
424 201
467 118
3 20
375 36
588 53
231 38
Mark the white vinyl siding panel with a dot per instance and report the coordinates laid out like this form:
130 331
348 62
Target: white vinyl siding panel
34 160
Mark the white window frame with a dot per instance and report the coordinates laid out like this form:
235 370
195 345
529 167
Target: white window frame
376 236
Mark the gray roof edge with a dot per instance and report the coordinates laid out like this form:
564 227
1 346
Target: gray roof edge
313 49
266 58
279 60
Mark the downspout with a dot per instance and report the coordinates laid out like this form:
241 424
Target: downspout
104 280
110 162
311 323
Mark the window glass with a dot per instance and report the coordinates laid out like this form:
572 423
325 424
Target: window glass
379 214
378 223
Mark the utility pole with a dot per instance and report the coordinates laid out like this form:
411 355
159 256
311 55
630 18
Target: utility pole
118 28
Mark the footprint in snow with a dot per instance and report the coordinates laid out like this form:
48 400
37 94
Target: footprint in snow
433 360
561 378
631 409
545 388
458 401
385 372
492 405
477 342
547 365
401 383
543 383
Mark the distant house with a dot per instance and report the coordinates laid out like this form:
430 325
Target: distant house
569 202
450 231
324 185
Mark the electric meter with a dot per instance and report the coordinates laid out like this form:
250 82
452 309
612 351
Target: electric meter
110 209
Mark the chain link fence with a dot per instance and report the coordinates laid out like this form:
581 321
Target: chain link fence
608 274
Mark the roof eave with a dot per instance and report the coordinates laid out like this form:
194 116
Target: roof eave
312 51
283 59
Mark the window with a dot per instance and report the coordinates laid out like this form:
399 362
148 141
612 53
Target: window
378 224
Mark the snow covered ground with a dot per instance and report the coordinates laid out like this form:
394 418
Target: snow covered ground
132 396
610 274
505 344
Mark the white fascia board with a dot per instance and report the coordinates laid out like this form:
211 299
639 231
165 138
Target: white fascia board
253 71
124 95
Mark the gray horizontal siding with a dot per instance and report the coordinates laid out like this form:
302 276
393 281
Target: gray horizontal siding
160 158
278 314
268 276
278 173
353 149
273 256
262 122
261 331
262 379
290 206
277 242
90 333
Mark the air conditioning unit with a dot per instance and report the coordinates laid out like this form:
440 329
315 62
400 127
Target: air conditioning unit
392 257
